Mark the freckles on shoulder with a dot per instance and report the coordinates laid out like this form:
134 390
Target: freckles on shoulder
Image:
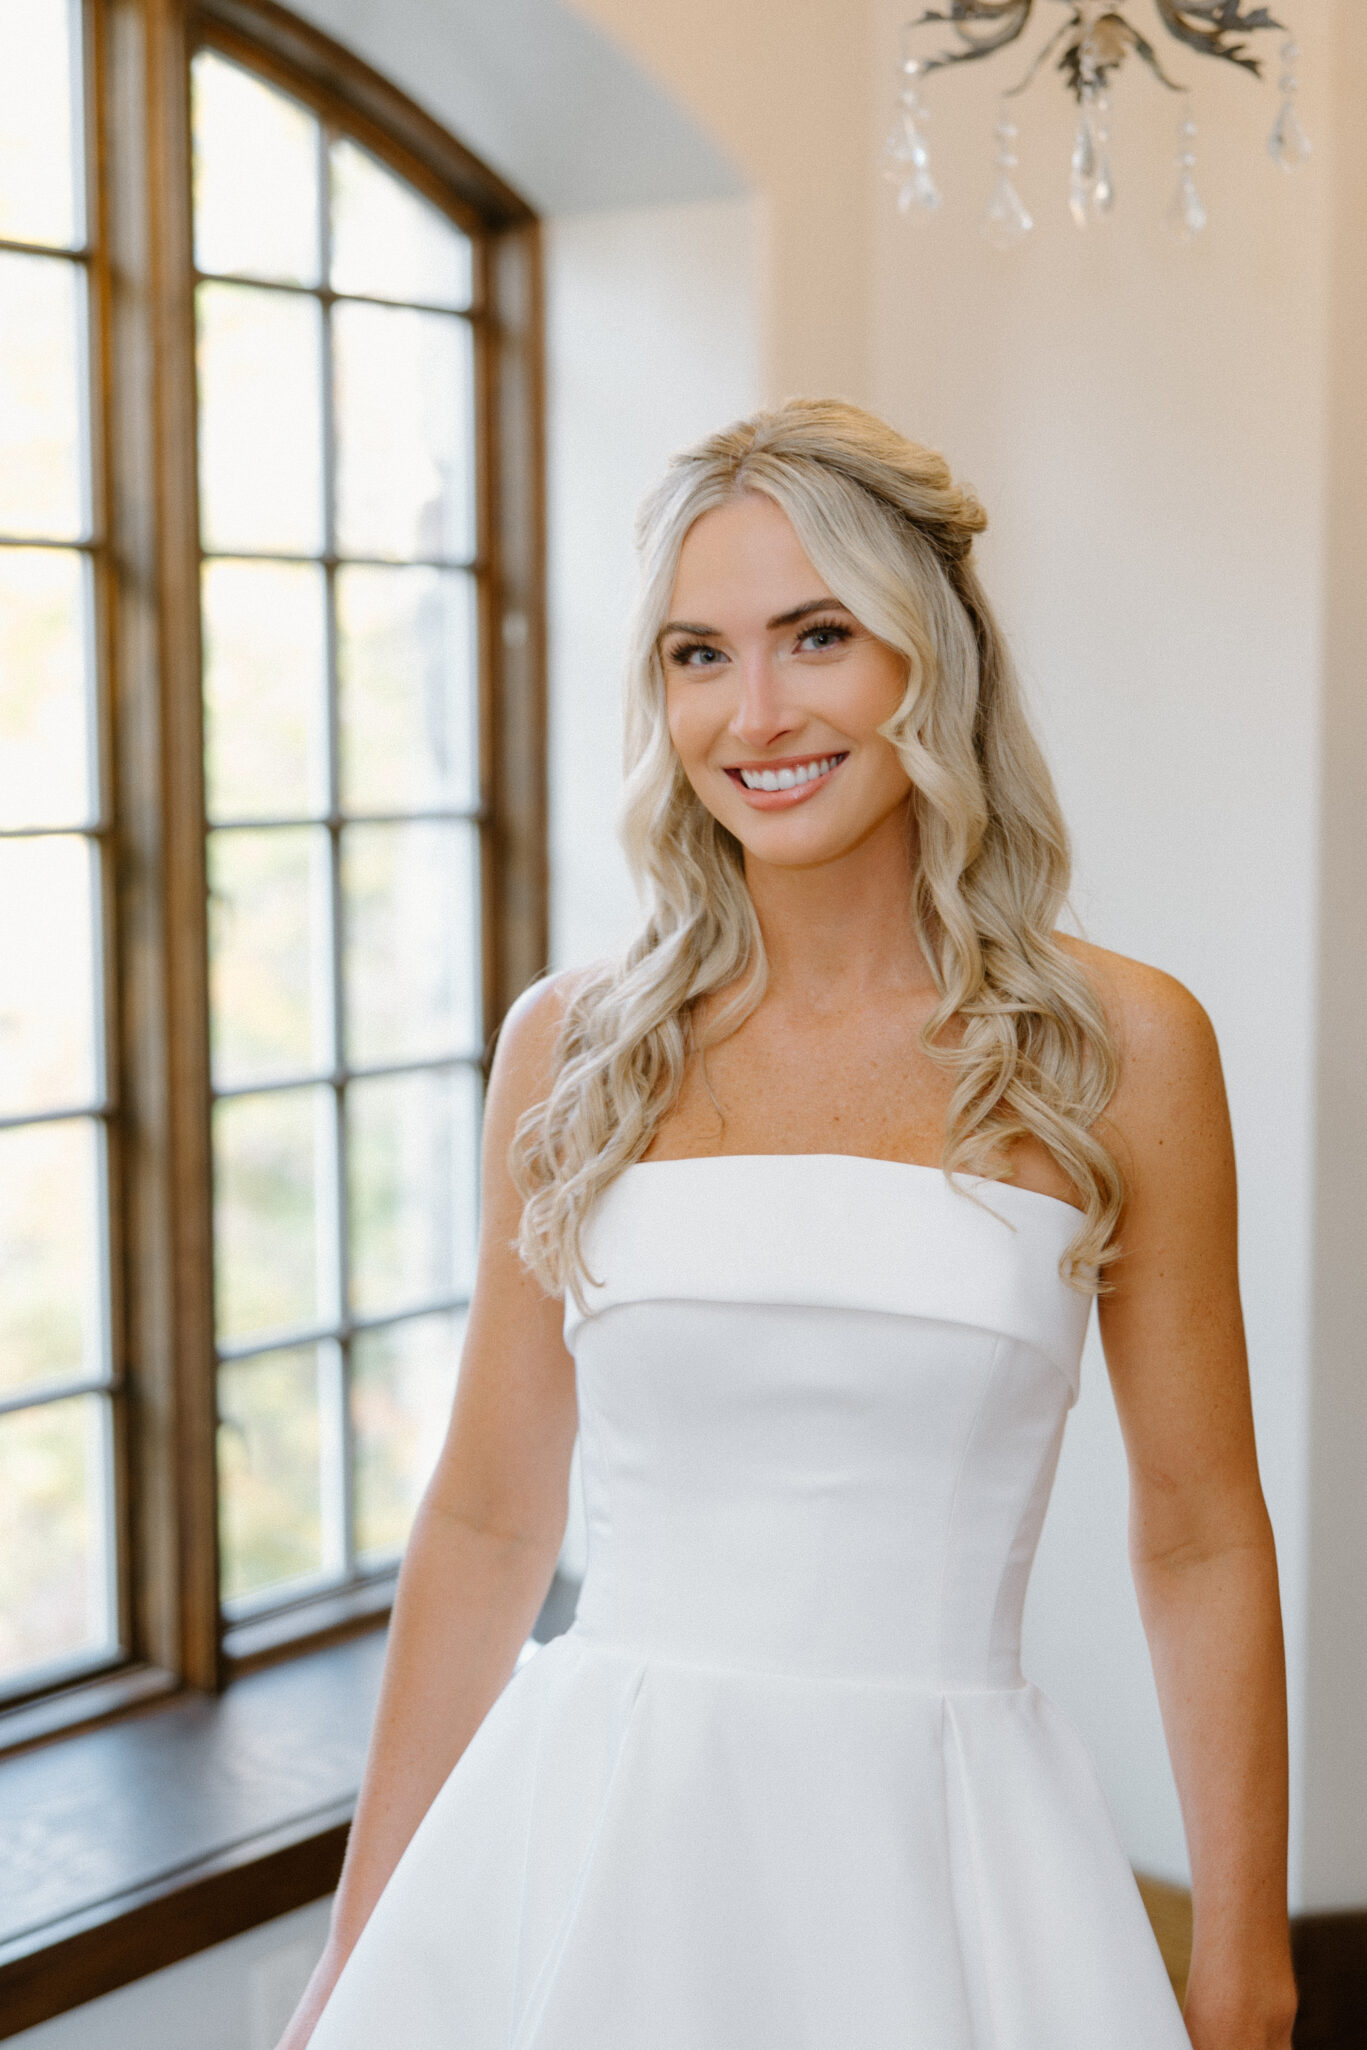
1169 1110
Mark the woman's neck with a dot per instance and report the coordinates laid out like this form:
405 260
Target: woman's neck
843 931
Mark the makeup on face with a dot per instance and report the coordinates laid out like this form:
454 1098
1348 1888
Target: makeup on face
775 690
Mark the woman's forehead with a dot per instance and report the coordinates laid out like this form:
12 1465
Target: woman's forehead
746 558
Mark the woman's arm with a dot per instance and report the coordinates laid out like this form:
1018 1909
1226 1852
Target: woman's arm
488 1532
1200 1542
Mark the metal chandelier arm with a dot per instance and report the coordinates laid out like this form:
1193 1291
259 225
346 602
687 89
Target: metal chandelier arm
1209 25
1005 21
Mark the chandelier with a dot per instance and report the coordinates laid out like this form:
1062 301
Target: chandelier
1087 48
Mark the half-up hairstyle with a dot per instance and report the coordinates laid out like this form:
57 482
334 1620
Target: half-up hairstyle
887 527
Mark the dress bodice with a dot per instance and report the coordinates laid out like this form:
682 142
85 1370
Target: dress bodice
821 1402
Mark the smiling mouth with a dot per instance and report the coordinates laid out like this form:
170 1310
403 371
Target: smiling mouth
791 778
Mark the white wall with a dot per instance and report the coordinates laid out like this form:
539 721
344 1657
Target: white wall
784 89
651 341
540 94
1336 1631
237 1996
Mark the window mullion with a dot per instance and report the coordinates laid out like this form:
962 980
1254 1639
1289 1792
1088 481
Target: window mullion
159 806
338 1490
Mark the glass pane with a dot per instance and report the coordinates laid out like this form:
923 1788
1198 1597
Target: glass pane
387 242
411 967
265 689
42 397
56 1563
45 740
270 1453
270 961
405 461
48 1057
40 187
406 662
402 1381
52 1299
412 1152
260 420
256 176
274 1231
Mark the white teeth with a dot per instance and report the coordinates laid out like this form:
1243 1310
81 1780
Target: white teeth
788 779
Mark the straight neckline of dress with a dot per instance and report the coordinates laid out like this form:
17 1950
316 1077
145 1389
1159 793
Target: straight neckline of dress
920 1167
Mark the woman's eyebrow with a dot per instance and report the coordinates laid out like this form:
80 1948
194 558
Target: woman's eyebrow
713 633
800 611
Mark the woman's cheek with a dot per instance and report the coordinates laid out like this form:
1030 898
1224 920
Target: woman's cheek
689 734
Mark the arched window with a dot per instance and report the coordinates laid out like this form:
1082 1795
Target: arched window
272 853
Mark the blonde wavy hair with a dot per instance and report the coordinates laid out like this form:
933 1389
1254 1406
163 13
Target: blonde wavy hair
885 524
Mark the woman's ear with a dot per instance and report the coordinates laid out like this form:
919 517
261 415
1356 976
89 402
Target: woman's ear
892 728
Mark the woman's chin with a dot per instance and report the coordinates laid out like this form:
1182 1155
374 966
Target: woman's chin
809 838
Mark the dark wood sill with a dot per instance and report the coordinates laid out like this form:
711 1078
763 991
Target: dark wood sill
130 1846
126 1848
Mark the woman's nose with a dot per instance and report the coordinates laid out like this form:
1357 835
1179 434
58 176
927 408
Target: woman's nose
762 714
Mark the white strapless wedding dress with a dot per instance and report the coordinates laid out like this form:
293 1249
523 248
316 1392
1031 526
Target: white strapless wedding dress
782 1786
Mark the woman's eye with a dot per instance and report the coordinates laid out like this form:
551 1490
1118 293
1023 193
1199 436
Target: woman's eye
695 655
819 638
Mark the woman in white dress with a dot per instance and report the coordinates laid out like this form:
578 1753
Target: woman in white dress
795 1214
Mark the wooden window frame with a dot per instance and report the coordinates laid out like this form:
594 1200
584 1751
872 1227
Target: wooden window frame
147 612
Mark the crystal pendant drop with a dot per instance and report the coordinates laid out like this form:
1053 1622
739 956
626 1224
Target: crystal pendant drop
1083 172
906 159
1007 220
1103 190
1186 216
1288 144
1103 185
1091 187
920 190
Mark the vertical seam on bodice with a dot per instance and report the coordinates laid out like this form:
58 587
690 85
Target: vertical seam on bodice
989 1382
592 1448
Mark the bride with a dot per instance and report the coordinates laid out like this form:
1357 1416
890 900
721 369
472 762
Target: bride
795 1214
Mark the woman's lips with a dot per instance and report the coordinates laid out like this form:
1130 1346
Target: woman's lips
781 800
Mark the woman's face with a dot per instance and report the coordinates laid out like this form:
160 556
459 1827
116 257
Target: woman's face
775 692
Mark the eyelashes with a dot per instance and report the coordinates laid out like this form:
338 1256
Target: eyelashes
680 656
836 631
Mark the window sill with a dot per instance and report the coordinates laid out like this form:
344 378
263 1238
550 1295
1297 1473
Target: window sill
127 1847
133 1845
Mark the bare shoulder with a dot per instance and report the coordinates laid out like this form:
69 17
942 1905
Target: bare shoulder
1170 1072
1158 1024
524 1055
